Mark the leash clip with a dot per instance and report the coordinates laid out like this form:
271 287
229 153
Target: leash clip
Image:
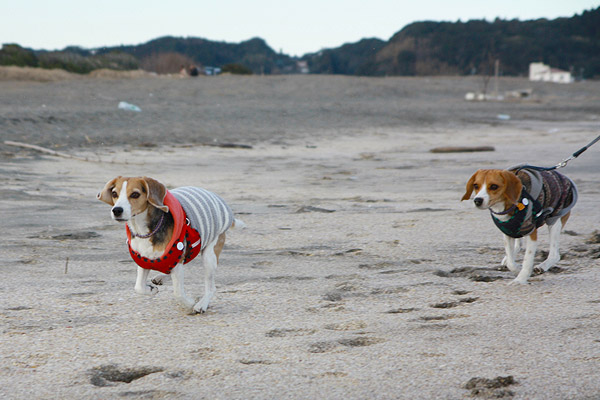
564 162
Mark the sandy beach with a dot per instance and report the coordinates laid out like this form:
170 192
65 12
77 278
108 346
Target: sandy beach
360 273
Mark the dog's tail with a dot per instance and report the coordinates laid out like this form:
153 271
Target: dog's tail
238 224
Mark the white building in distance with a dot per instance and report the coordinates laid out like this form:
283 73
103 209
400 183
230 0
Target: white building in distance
541 72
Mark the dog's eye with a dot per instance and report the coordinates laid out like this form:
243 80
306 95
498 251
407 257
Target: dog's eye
114 194
476 186
134 195
493 187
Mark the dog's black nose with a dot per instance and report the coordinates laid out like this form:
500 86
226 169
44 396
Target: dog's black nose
478 201
117 211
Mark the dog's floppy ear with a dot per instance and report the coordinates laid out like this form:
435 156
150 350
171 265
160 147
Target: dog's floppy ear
106 194
156 193
513 187
469 190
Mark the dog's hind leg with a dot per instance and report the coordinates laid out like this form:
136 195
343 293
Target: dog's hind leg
210 260
179 290
140 282
220 244
554 253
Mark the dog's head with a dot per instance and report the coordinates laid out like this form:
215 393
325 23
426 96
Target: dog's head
493 186
132 196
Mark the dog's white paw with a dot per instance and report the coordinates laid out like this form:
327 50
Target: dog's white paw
512 267
146 290
518 281
187 305
546 265
202 305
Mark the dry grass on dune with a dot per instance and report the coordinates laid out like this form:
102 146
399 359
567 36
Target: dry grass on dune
13 73
114 74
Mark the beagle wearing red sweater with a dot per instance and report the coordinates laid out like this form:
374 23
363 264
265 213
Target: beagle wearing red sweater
167 229
520 200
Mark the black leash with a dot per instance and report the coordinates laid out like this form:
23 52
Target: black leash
564 162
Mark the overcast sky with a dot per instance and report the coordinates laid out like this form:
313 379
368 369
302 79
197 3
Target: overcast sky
294 27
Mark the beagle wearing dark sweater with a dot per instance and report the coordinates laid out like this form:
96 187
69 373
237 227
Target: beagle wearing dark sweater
520 200
167 229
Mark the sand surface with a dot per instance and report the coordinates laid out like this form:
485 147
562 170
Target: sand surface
359 275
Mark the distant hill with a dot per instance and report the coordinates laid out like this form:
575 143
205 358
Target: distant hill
254 54
446 48
167 53
419 49
349 59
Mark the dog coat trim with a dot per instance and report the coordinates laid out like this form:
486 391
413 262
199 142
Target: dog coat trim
184 246
526 208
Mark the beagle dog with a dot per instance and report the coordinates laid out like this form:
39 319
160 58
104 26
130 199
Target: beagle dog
520 200
167 229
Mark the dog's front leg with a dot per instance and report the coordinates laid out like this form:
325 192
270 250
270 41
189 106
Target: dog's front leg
179 290
510 246
140 282
530 249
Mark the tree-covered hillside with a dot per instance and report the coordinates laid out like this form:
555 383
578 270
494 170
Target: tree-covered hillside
431 48
459 48
254 54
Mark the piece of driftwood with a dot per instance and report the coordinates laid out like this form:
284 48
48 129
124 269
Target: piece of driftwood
461 149
44 150
225 145
304 209
61 154
228 145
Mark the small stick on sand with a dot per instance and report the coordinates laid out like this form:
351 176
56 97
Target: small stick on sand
44 150
461 149
228 145
67 265
60 154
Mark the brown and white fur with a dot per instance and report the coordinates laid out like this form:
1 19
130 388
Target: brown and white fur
138 202
498 190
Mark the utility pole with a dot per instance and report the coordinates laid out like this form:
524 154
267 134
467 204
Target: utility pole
496 71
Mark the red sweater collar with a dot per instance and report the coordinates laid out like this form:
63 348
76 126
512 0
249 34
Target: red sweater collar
183 237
